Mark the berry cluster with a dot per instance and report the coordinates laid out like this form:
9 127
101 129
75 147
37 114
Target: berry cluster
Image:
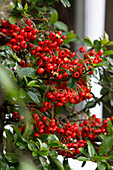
57 67
18 37
52 62
73 135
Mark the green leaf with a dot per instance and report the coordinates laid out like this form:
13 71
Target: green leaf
16 129
12 20
90 104
43 162
101 166
11 157
28 126
108 52
26 7
9 135
109 43
34 154
53 153
106 36
12 168
82 150
103 63
16 57
26 81
43 152
5 167
72 83
58 163
31 83
66 3
7 49
70 36
20 145
99 158
20 8
88 41
54 17
61 26
34 97
82 158
97 45
66 164
32 146
91 149
105 145
110 128
52 138
29 72
110 60
11 5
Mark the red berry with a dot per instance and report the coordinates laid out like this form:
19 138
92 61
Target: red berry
82 49
28 22
40 71
100 53
76 74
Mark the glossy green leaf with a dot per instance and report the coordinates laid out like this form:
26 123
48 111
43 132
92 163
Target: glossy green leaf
91 149
108 52
12 168
34 97
82 150
26 7
54 17
11 5
111 99
53 153
31 83
34 154
43 162
43 152
66 164
28 126
105 145
72 83
32 146
99 158
61 26
88 41
101 166
29 72
7 49
109 43
66 3
20 145
52 138
82 158
58 163
20 8
12 20
110 60
70 36
106 36
110 128
90 104
11 157
16 129
97 45
103 63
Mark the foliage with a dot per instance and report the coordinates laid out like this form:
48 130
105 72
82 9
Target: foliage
41 80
